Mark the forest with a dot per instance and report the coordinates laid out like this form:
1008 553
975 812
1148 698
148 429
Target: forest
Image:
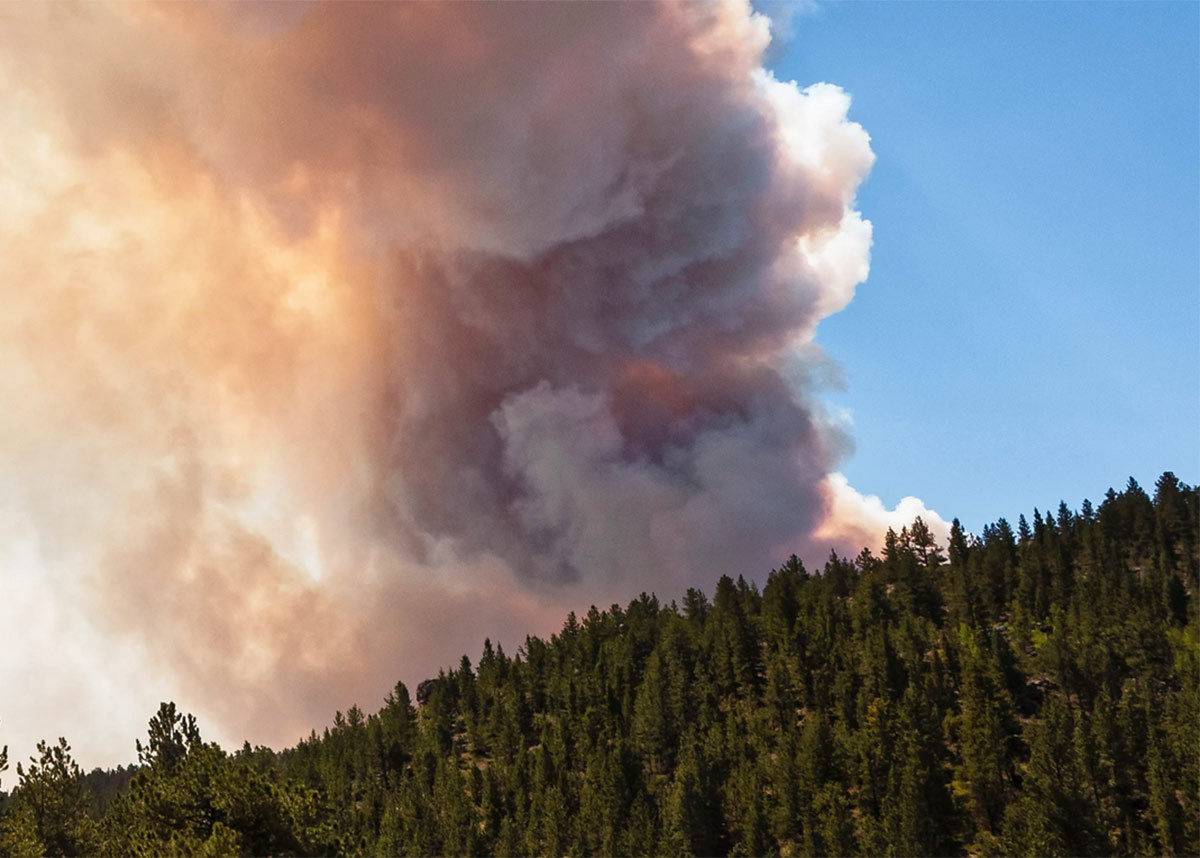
1032 690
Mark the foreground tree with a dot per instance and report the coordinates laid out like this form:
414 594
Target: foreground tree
49 810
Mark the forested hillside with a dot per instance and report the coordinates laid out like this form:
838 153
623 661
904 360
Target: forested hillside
1033 690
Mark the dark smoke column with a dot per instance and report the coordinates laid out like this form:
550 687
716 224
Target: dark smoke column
348 334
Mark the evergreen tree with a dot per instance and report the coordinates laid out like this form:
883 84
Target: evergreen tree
48 814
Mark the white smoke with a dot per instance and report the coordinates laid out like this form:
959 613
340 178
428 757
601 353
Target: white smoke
335 338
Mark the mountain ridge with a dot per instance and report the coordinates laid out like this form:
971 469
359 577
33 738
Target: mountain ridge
1024 691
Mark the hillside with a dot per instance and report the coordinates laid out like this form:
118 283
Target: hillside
1032 690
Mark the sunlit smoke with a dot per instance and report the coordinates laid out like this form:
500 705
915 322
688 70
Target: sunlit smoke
336 338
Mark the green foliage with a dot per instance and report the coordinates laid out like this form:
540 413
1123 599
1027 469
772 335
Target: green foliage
48 814
1028 693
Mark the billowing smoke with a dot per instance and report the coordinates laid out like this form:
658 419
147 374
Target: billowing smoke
336 338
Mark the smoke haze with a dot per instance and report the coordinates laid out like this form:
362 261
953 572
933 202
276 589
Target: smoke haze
336 338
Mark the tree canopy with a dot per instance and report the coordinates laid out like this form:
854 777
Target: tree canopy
1027 691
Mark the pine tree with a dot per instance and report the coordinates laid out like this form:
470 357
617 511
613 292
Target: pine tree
49 813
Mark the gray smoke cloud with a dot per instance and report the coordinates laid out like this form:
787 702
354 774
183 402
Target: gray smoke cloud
337 337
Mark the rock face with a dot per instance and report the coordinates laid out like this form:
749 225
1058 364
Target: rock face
424 690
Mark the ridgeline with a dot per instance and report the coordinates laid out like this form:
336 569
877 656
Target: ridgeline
1031 691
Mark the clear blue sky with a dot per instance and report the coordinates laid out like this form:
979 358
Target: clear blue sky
1030 330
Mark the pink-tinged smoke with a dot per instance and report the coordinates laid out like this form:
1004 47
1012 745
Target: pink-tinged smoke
335 338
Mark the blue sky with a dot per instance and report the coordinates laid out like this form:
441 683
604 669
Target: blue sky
1030 330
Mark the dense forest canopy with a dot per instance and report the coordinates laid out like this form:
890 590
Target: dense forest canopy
1032 691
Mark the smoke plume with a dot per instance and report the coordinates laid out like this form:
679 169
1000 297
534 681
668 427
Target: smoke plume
334 338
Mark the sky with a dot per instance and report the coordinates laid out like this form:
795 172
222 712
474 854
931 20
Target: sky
1030 331
335 338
